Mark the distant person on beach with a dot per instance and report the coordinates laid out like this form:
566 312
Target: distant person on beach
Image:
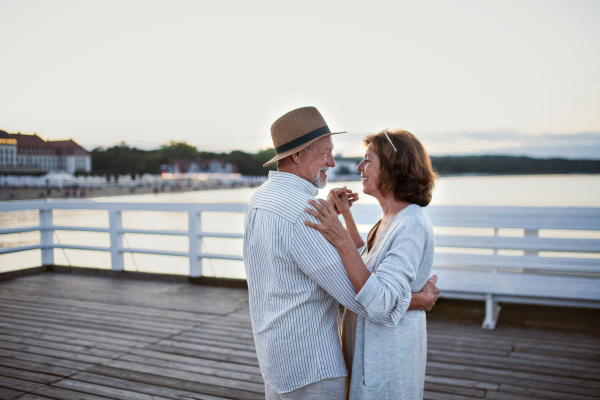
296 277
385 362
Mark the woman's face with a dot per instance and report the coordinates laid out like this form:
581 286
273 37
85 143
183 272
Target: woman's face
369 172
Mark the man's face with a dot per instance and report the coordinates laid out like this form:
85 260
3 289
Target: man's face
316 162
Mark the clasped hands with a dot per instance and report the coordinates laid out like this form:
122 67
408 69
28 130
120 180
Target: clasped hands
338 201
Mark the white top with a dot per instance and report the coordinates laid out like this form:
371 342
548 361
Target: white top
295 280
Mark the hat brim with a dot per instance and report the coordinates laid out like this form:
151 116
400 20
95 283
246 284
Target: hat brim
297 149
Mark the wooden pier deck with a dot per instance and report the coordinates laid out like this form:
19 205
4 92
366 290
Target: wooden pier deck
74 337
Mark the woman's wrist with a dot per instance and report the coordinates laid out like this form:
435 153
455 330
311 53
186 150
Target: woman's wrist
345 244
347 214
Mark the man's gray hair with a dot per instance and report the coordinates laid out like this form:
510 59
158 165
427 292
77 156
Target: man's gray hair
308 148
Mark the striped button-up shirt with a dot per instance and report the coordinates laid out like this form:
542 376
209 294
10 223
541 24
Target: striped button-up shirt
295 280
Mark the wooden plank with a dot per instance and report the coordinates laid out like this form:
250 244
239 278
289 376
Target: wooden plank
37 366
9 394
467 383
113 393
455 390
141 324
56 326
432 395
222 336
507 339
498 375
65 394
188 376
18 384
214 341
541 368
28 375
57 345
73 338
204 370
189 359
81 323
207 353
35 350
45 361
508 396
546 394
145 388
191 386
491 377
123 309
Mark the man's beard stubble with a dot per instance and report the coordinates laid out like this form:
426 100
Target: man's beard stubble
317 181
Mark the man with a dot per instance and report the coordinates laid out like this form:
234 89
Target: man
295 276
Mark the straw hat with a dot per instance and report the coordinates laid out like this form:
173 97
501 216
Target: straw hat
295 130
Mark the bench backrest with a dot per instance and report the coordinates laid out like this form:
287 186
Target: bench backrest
512 238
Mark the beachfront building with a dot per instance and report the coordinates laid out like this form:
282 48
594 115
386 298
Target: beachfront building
31 153
8 151
198 165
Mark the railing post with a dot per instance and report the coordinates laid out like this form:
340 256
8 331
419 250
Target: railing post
46 235
495 269
195 252
116 240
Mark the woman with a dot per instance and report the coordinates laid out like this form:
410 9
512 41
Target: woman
386 362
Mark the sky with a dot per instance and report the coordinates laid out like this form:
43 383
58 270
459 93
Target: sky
466 77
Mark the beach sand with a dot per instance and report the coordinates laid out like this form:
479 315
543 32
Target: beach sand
41 193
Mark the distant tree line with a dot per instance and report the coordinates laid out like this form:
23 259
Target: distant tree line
509 165
122 159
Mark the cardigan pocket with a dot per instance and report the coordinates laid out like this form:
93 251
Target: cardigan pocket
377 393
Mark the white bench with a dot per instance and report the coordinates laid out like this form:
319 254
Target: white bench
528 278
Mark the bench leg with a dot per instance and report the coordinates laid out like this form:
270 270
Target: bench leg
492 311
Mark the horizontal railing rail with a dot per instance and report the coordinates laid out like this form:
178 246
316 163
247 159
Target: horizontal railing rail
530 219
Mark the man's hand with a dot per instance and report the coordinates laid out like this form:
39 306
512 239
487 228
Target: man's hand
426 298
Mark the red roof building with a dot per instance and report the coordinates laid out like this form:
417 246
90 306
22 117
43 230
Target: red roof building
35 153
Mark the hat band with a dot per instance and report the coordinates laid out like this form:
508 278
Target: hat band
302 139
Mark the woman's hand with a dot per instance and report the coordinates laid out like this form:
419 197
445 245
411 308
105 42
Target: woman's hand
330 226
346 196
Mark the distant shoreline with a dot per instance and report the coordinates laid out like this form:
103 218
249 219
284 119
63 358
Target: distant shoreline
41 193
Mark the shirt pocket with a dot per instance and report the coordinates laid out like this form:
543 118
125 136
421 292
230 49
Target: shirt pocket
368 393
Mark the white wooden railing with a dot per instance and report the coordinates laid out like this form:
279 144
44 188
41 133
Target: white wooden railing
116 229
571 279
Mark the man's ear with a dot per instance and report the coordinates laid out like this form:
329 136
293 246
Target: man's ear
296 157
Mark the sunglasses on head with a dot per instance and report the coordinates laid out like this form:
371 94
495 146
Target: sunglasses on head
388 138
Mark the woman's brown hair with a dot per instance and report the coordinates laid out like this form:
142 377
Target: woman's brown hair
407 173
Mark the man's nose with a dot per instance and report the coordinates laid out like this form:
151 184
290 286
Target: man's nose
331 161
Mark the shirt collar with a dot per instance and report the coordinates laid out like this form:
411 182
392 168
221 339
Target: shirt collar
291 179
